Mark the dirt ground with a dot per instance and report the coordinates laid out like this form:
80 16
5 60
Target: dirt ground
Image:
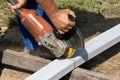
91 25
12 74
112 65
107 62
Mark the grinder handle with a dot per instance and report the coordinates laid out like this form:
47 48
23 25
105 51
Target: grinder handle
14 2
62 36
71 18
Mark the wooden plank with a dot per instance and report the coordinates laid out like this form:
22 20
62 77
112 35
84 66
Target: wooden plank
92 48
22 60
82 74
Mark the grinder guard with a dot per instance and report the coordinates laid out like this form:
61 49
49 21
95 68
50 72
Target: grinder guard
59 44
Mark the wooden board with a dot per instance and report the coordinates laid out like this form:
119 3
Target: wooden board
22 60
83 74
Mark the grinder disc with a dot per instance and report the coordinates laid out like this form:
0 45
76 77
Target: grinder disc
69 52
74 39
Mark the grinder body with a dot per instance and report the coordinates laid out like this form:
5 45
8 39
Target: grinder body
42 32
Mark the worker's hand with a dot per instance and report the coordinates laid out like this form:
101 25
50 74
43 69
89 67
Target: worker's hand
61 20
20 4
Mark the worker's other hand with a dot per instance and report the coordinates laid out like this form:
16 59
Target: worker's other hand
61 21
20 3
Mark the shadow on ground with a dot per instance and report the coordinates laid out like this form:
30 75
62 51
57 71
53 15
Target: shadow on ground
1 66
89 23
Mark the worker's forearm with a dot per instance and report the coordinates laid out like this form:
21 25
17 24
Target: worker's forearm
49 6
